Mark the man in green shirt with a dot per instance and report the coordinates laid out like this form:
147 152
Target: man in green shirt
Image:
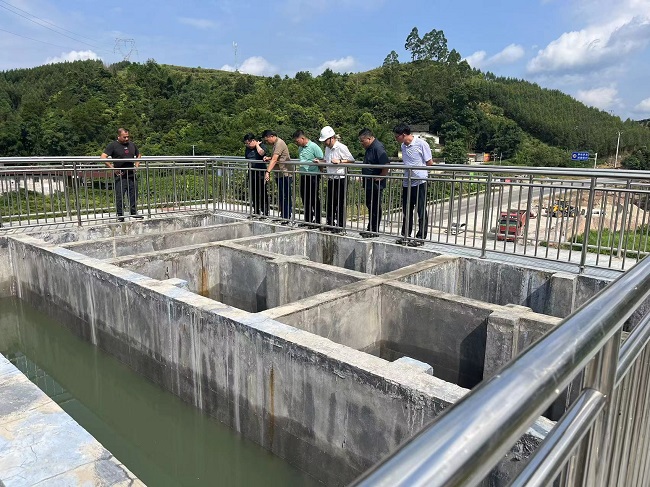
310 155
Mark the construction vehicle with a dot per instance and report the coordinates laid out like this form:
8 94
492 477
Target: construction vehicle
562 208
511 224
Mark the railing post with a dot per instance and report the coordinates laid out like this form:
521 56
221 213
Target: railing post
66 192
147 187
487 201
75 183
585 238
600 375
205 185
622 232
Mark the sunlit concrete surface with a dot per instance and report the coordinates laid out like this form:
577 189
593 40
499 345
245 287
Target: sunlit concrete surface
40 444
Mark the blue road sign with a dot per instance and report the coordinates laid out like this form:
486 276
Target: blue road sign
580 156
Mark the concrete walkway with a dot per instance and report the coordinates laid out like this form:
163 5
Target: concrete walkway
41 445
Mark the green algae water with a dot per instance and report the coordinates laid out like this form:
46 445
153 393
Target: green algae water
161 439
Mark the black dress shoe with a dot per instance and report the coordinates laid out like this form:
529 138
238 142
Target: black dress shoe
415 243
137 217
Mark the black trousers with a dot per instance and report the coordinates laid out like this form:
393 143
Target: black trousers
411 197
259 193
126 186
310 194
335 208
374 190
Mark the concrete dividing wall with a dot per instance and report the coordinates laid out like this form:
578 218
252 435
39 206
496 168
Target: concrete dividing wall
387 257
74 233
139 244
328 409
295 280
365 256
246 278
448 332
550 293
337 314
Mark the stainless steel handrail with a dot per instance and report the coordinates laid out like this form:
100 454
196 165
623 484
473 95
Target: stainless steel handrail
617 237
465 443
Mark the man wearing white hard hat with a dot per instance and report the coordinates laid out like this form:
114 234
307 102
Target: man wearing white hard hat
336 154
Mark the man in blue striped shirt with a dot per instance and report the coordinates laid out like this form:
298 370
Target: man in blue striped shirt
415 153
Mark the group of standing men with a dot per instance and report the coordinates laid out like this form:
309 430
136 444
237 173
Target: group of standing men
314 165
272 156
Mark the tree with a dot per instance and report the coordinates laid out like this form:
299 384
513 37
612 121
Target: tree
414 45
453 57
391 60
390 70
455 152
434 46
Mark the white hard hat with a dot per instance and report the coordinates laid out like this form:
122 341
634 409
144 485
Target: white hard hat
326 133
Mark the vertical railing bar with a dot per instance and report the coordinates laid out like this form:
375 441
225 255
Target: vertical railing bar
486 215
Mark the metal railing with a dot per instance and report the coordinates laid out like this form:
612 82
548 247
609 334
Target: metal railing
588 217
603 439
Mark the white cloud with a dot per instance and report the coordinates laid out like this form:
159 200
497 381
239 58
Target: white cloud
198 23
603 97
72 56
595 46
643 106
477 59
508 55
343 65
256 65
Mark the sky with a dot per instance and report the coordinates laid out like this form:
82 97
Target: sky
597 51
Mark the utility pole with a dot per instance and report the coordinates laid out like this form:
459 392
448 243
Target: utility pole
618 141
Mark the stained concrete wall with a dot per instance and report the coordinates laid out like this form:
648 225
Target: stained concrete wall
550 293
243 277
348 253
446 331
337 314
140 227
138 244
6 275
328 409
387 257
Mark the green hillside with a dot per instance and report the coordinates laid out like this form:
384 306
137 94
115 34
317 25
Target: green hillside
75 109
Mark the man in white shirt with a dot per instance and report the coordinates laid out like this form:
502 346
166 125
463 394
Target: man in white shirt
415 153
336 154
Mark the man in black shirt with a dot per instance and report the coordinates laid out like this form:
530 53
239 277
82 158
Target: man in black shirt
374 179
255 151
124 159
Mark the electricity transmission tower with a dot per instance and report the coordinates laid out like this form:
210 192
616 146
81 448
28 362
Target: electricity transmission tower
125 48
234 47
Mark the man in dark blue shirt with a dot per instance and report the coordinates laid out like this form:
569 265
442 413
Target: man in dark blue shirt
374 179
124 156
255 151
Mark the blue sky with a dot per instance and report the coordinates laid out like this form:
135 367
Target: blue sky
597 51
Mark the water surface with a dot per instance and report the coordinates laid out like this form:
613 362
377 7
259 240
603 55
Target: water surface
161 439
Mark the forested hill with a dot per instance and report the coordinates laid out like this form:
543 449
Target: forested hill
75 109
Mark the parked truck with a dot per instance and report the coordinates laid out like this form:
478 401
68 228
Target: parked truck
511 224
